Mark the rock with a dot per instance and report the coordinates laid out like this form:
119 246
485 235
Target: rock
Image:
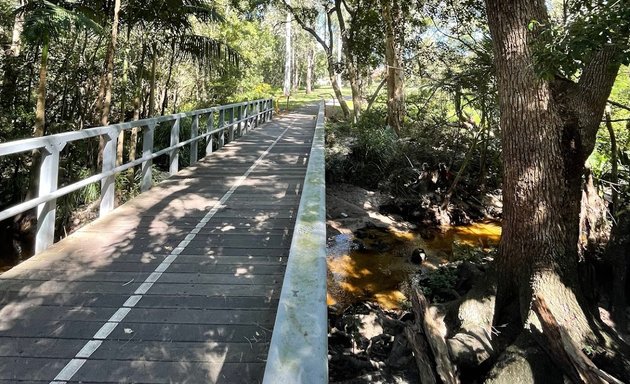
369 325
418 256
338 338
400 354
470 349
524 363
467 275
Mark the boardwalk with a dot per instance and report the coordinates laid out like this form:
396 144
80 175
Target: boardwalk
179 285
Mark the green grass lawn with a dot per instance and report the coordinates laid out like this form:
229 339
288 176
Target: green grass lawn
299 98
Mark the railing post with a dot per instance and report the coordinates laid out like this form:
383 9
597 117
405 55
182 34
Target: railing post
257 112
263 118
239 116
108 184
271 109
147 149
194 132
231 128
222 127
174 154
246 118
210 128
252 115
48 179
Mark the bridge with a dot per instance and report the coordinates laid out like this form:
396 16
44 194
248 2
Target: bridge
215 275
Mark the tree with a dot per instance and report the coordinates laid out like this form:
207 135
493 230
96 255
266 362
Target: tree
549 124
287 57
44 21
394 41
305 17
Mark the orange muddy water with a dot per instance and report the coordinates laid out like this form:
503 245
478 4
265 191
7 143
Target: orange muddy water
371 264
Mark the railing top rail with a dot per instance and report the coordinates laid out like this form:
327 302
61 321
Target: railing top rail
52 145
61 139
299 344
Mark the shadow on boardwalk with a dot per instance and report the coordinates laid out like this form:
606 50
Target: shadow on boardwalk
208 316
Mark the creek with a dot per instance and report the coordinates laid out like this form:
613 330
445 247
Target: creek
373 262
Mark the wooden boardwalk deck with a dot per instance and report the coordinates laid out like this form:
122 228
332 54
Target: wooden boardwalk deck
179 285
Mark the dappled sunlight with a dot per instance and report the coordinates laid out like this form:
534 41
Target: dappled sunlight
371 264
214 280
13 312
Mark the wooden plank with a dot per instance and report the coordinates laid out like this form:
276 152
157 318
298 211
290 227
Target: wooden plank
167 277
35 315
137 350
170 372
269 290
101 300
208 266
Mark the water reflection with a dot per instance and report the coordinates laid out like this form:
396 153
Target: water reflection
370 264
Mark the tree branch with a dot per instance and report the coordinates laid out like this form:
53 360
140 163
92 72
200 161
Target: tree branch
372 99
307 28
595 85
618 105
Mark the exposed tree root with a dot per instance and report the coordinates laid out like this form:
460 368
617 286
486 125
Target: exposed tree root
563 350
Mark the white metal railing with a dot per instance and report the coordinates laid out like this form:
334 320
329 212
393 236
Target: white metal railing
298 352
241 117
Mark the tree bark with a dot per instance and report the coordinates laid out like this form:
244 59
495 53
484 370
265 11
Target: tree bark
168 78
39 129
10 76
351 64
40 110
153 80
394 37
108 77
548 131
310 64
287 56
123 106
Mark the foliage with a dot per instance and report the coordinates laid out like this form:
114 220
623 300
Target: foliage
437 284
567 45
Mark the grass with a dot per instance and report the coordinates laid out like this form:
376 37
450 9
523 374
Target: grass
299 98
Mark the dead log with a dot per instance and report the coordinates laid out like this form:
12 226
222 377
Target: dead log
422 354
563 350
432 330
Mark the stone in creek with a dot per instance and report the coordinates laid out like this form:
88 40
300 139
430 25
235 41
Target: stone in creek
418 256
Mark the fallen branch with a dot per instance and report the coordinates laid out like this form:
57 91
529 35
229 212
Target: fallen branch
421 352
444 367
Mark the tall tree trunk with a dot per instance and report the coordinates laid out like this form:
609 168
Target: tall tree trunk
153 80
287 57
351 64
10 77
108 78
548 130
123 106
137 101
18 27
39 128
394 37
310 63
339 56
40 110
168 78
295 69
